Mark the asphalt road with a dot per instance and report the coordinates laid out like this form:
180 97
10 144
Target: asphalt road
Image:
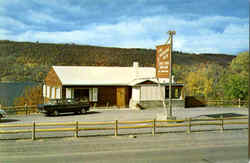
203 147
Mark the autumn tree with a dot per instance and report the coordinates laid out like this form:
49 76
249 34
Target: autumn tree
32 96
202 80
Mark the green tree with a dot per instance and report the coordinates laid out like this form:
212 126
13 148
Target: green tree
236 81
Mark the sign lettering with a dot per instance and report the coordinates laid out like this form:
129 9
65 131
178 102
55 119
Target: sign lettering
162 60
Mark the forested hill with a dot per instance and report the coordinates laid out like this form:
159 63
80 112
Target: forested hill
26 61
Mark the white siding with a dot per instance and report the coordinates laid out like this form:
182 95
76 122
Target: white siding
48 91
93 94
44 91
90 94
136 93
152 92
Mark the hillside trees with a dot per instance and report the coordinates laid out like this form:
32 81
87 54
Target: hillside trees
216 82
19 60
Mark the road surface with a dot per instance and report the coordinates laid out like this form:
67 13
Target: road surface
202 147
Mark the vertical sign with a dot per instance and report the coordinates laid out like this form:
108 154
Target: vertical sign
163 61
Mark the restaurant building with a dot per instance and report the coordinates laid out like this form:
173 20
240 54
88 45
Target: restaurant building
121 87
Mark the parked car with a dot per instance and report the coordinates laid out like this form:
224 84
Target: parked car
3 114
57 106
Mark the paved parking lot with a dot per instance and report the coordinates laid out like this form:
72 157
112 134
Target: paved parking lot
97 115
127 114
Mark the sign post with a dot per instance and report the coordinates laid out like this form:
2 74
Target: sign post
171 33
164 69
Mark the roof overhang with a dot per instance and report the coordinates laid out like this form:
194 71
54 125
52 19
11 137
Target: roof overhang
141 81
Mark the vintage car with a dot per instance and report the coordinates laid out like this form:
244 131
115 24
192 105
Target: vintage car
3 114
57 106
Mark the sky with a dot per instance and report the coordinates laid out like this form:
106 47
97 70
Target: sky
202 26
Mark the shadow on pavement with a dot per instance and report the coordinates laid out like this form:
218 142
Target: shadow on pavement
70 114
8 120
224 115
92 112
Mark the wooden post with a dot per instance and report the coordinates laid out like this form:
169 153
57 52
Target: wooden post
189 125
222 123
116 127
26 110
76 129
33 130
153 129
239 102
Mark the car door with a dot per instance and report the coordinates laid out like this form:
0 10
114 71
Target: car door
72 105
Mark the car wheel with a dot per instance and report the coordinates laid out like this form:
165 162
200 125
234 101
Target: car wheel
83 111
56 113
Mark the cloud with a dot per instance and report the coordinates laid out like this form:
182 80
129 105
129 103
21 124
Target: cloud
200 26
191 36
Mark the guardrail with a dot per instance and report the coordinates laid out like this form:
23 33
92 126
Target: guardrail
238 102
20 109
117 125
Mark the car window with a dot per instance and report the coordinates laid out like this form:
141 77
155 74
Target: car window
52 102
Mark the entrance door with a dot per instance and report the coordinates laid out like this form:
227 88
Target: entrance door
121 97
81 93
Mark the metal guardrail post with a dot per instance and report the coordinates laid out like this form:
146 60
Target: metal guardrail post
154 126
76 130
116 127
33 130
222 123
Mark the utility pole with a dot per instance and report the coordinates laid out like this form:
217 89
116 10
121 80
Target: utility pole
169 113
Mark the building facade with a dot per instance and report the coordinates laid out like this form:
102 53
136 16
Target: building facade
108 86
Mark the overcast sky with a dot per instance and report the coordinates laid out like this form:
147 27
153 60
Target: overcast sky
202 26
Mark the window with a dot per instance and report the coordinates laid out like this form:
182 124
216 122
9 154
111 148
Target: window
58 93
68 93
53 92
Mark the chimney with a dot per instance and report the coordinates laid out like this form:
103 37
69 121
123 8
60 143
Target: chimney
135 69
135 64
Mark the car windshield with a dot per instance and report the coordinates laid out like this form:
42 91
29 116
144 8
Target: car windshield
2 111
